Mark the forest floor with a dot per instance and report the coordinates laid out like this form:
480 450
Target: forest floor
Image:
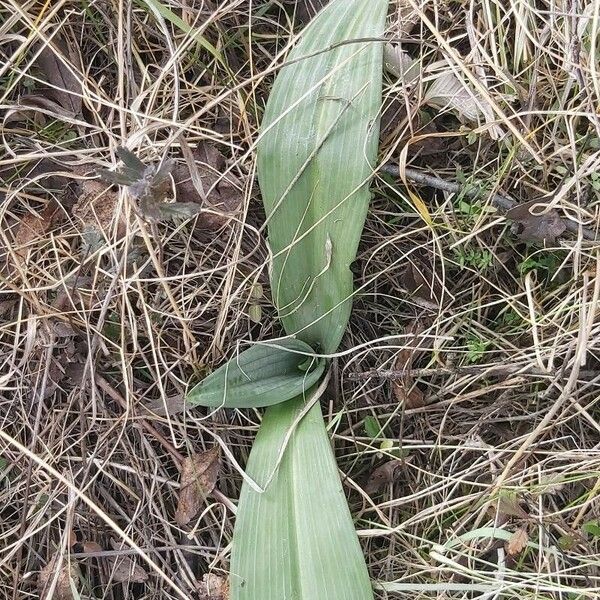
464 403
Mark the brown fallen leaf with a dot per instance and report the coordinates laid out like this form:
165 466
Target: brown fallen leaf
199 474
405 389
386 473
58 64
517 542
219 196
124 569
34 107
68 572
33 227
533 225
507 505
97 204
422 282
213 587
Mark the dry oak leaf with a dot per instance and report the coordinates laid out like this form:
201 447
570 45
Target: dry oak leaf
213 587
517 542
68 572
199 474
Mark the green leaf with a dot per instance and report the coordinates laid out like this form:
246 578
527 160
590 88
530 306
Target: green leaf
316 155
262 375
372 427
592 528
296 539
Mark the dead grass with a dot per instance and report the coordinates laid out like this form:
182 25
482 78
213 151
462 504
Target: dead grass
104 313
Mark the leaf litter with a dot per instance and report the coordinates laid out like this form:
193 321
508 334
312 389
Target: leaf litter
199 474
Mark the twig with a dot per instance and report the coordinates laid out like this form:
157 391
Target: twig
396 374
504 203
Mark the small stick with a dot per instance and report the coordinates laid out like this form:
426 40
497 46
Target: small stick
504 203
396 374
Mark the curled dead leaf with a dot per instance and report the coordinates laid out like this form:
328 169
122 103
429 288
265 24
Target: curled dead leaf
57 580
386 473
517 542
535 223
199 474
213 587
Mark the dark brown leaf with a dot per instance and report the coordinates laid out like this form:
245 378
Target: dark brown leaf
383 475
220 196
124 569
213 587
69 571
57 64
422 282
199 474
534 225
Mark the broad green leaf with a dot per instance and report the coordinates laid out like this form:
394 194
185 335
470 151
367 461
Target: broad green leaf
296 540
316 155
262 375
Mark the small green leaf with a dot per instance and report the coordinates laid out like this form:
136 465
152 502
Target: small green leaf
262 375
592 528
372 427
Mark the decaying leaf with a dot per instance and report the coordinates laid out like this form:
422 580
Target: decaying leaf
57 64
66 579
534 224
199 474
507 505
386 473
220 196
444 91
404 388
517 542
422 282
97 207
34 107
33 227
213 587
123 569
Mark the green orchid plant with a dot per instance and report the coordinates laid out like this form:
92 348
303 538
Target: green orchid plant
294 537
